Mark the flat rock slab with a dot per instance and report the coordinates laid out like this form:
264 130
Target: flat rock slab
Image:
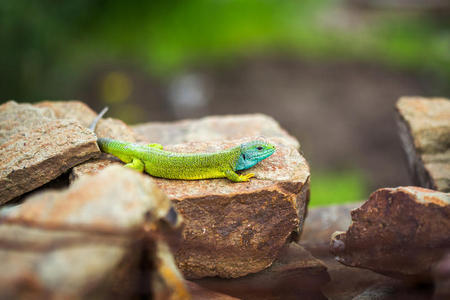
214 128
295 274
97 239
400 232
36 148
424 127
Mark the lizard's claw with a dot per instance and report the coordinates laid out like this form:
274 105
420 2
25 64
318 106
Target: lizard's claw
247 177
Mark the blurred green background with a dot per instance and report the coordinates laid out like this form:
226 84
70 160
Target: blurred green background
329 71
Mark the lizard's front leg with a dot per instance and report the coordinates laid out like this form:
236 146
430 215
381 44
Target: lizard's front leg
233 176
136 164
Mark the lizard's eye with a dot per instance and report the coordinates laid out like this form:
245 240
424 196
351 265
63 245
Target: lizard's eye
259 148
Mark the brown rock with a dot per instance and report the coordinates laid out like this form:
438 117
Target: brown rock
424 127
214 128
296 274
346 282
101 238
233 229
36 148
76 110
399 232
106 127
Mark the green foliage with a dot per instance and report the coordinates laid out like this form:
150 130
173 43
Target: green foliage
46 45
337 187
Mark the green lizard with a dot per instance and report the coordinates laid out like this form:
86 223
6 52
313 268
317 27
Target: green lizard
190 166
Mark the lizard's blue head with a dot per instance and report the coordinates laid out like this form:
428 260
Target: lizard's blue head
252 153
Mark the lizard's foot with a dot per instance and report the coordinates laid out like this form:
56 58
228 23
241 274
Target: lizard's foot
157 146
233 176
136 164
246 177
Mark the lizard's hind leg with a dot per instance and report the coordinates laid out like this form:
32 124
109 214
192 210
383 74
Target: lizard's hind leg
136 164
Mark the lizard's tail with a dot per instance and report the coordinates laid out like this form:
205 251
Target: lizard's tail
97 118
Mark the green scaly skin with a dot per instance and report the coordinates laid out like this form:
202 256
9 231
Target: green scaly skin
189 166
159 163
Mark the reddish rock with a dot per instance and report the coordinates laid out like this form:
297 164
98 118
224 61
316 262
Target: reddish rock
101 238
399 232
295 274
76 110
36 148
232 229
235 229
424 127
106 128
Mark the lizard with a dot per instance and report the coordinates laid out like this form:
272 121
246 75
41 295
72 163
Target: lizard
155 161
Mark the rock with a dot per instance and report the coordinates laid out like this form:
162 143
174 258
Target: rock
424 127
400 232
76 110
441 274
231 229
200 293
101 238
321 222
36 148
214 128
106 127
296 274
346 282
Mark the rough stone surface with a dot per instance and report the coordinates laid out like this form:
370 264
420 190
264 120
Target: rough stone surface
235 229
424 127
76 110
214 128
399 232
296 274
36 147
101 238
106 128
346 282
231 229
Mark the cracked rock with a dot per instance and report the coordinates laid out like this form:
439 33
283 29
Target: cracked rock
424 128
400 232
36 148
100 239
